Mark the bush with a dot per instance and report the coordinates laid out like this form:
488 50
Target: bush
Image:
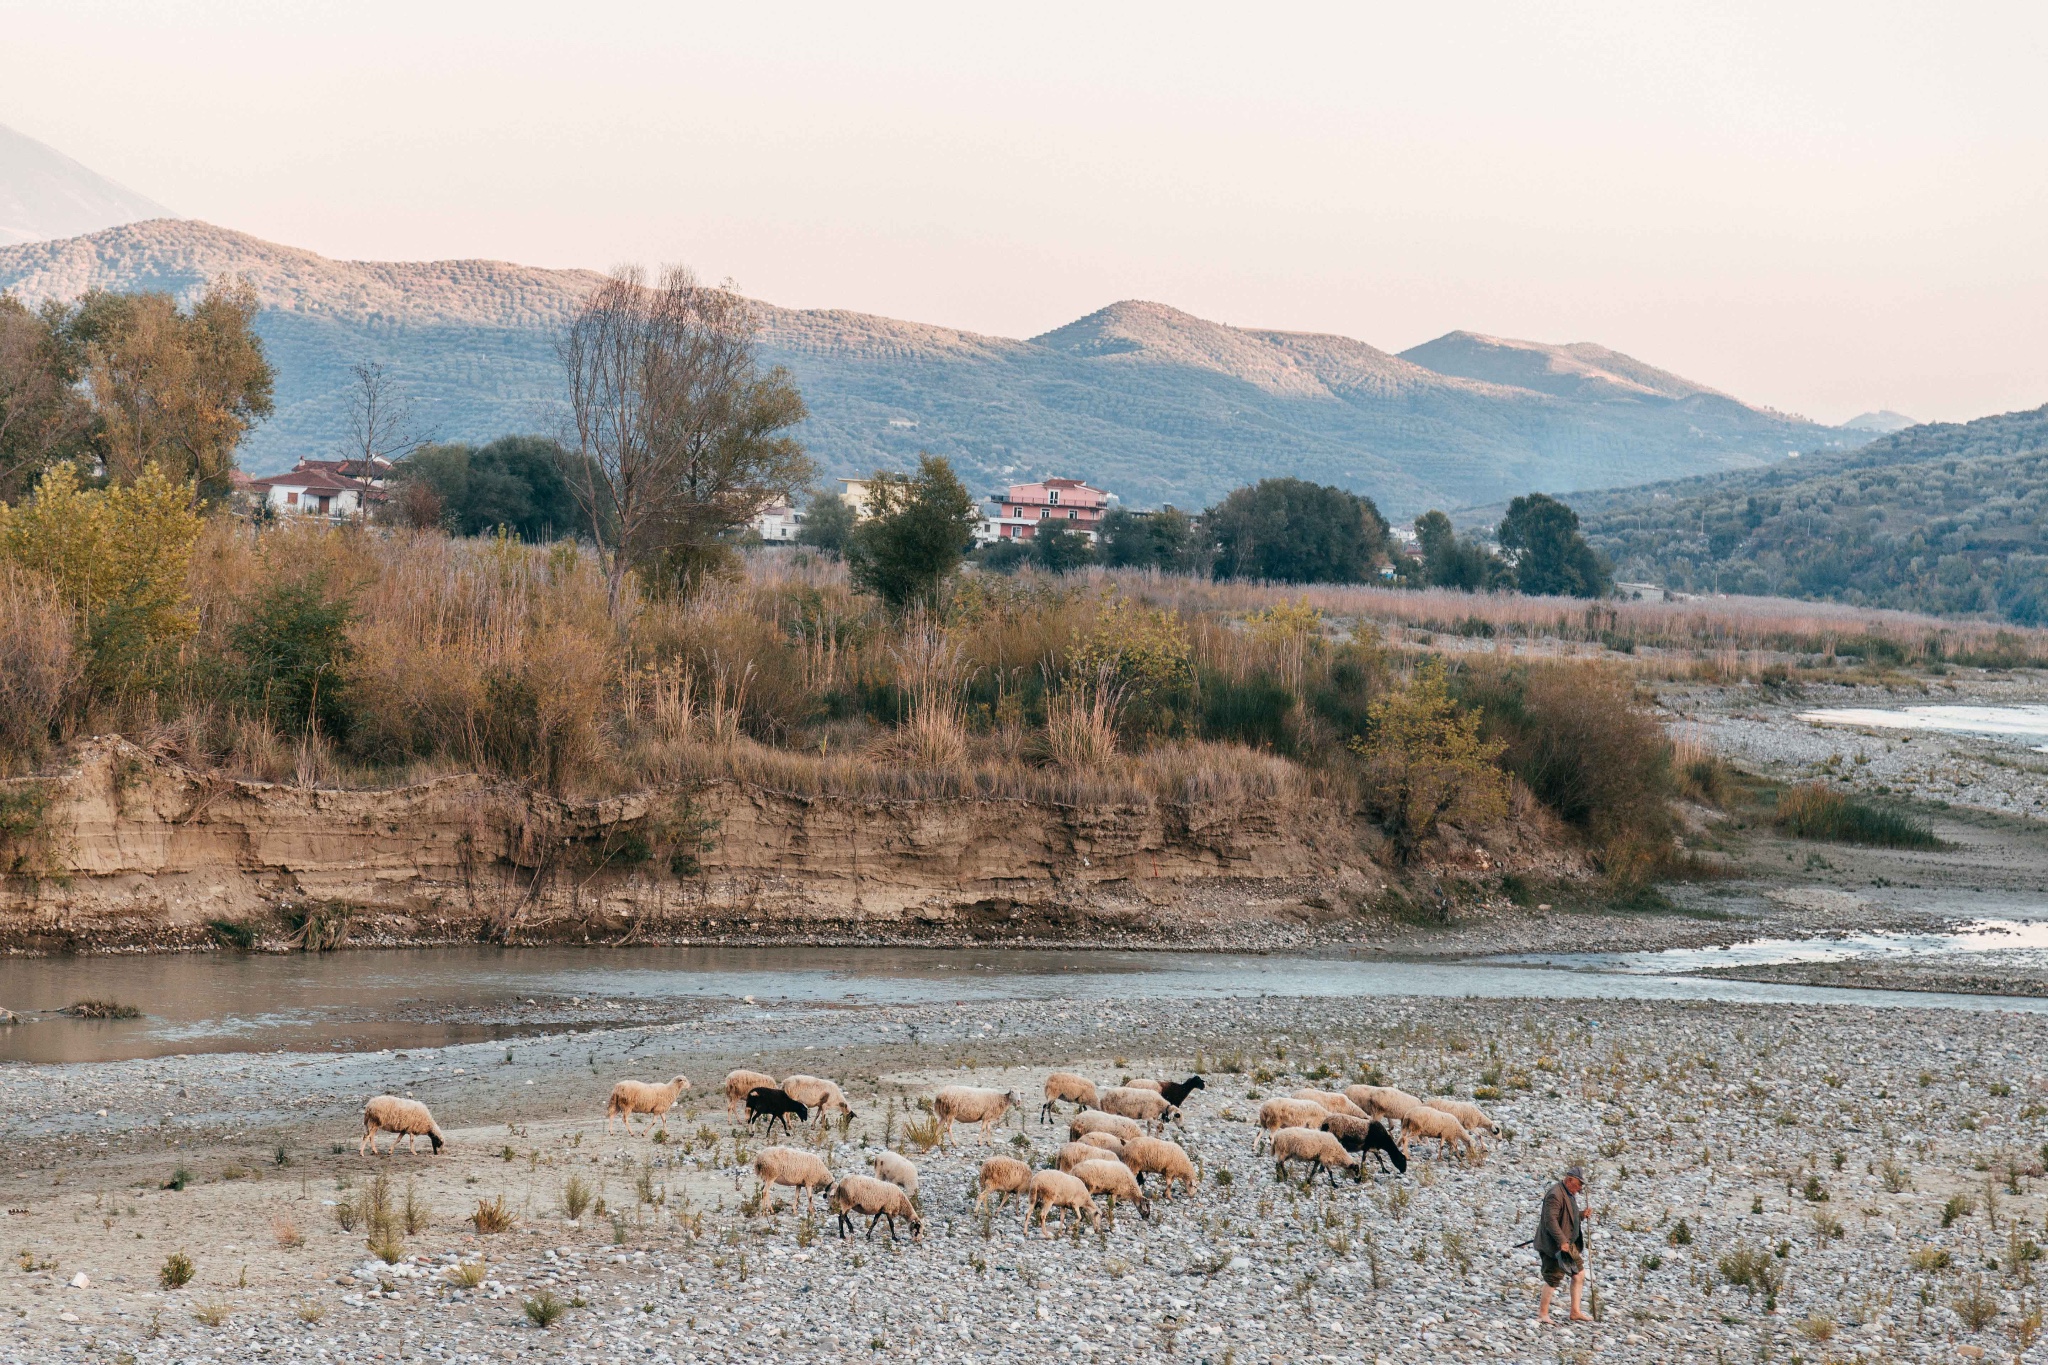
1577 740
1252 712
1820 812
177 1271
295 647
1425 764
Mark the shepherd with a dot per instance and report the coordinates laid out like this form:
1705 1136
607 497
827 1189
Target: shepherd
1561 1243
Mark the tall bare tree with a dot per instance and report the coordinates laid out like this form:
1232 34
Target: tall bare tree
679 436
381 421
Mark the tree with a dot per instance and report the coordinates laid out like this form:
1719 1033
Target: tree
680 438
1164 540
1058 548
44 418
1550 557
296 646
828 521
1293 531
175 390
916 531
1425 764
1451 561
516 482
381 424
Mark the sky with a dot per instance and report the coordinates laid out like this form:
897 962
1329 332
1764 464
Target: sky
1825 208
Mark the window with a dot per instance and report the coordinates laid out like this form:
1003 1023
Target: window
291 500
1043 514
1071 514
1054 495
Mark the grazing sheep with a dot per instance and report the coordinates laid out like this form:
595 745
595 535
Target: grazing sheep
737 1086
1002 1176
971 1104
765 1101
788 1166
1108 1142
1383 1101
1106 1175
1156 1156
1470 1117
1095 1121
1065 1086
1057 1190
1332 1101
1176 1092
1424 1122
1074 1153
640 1097
896 1168
1156 1087
1367 1135
1146 1106
1278 1113
401 1118
878 1199
1309 1144
822 1096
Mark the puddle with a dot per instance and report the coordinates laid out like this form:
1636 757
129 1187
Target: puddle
2026 725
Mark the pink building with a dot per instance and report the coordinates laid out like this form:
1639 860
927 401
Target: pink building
1015 515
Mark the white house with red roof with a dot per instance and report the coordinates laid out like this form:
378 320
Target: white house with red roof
325 488
1018 513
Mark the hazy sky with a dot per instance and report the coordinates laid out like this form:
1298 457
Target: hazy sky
1822 207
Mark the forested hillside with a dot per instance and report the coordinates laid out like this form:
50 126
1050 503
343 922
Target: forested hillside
1944 517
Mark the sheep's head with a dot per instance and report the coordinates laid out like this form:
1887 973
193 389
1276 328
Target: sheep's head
679 1083
1195 1083
438 1141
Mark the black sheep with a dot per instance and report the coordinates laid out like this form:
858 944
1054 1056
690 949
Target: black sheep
765 1101
1377 1140
1176 1092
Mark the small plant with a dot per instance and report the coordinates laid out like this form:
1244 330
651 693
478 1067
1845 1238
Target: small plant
923 1132
467 1275
576 1195
386 1245
1652 1261
286 1232
1896 1178
345 1215
1826 1226
1818 1328
180 1178
1929 1260
177 1271
1977 1308
1958 1206
492 1216
1680 1234
416 1212
543 1310
282 1156
213 1314
312 1313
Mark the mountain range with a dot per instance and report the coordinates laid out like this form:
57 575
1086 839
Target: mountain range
44 194
1151 402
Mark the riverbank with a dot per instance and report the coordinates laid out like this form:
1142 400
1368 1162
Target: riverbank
1835 1144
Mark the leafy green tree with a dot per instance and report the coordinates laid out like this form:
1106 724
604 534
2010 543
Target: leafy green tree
1163 540
1058 548
1550 557
1451 561
515 482
915 534
1004 556
296 648
1426 764
1293 531
44 417
828 521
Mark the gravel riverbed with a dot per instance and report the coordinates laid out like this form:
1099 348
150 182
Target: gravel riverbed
1875 1176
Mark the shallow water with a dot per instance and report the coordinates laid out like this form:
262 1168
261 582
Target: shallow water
224 1002
2020 724
2022 943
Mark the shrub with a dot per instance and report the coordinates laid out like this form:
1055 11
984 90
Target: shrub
576 1196
295 647
176 1272
467 1275
492 1216
1820 812
1425 763
544 1309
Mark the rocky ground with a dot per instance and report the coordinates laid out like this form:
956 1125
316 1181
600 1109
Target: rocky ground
1873 1178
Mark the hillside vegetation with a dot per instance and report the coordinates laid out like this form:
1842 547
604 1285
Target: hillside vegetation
1944 518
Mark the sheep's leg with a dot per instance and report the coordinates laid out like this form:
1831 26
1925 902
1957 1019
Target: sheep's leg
368 1133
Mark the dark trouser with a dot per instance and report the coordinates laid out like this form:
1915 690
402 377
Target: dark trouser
1557 1270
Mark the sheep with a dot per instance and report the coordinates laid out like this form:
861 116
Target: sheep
1156 1087
1002 1176
1078 1091
1470 1117
821 1095
639 1097
1424 1122
878 1199
1095 1121
1142 1105
1111 1177
765 1101
1332 1101
1309 1144
1383 1101
1108 1142
1367 1135
1156 1156
788 1166
1074 1153
970 1104
1057 1190
1176 1092
897 1169
1278 1113
737 1086
401 1118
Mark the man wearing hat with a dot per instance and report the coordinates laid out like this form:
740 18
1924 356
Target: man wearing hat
1561 1242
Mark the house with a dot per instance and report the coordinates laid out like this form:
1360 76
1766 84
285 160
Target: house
778 524
1016 514
327 488
855 496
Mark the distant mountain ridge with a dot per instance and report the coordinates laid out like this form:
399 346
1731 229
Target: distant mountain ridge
1139 397
44 193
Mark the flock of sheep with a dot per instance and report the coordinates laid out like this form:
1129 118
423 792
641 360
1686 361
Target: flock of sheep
1116 1139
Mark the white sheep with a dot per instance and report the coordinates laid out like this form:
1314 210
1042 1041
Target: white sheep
1107 1175
789 1166
1074 1153
878 1199
1310 1144
1427 1123
1156 1156
401 1118
1146 1106
1332 1101
1066 1087
1383 1101
820 1096
1095 1121
970 1104
1108 1142
897 1169
1057 1190
1145 1084
1003 1176
1471 1117
1278 1113
641 1097
737 1084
